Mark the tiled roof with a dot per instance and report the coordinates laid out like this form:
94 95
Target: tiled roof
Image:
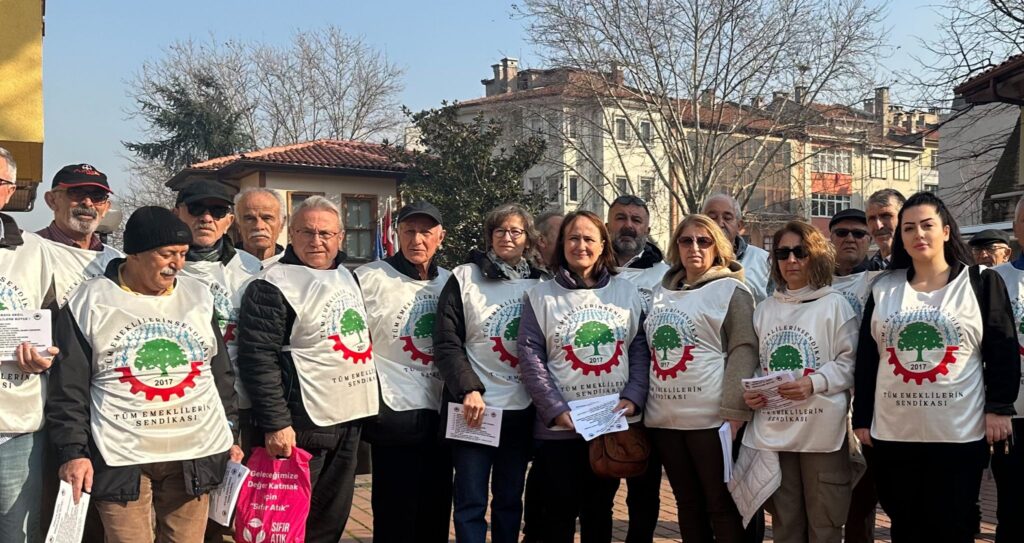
1011 63
319 153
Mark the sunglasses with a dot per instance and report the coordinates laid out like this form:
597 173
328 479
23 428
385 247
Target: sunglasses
843 232
782 253
98 196
703 242
217 212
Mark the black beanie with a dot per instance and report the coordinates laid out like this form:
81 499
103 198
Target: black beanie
151 227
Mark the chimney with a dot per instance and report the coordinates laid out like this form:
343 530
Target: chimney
757 102
869 106
780 95
618 76
881 110
800 94
707 97
509 71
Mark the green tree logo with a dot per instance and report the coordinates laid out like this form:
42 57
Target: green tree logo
424 325
512 329
3 307
1020 328
786 357
159 353
918 336
665 338
352 323
595 334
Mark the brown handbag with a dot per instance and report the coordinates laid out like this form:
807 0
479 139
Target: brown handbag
620 454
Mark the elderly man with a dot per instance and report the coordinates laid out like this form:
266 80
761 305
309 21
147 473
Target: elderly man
725 210
142 405
79 198
412 470
883 214
261 217
304 356
1008 458
26 277
848 232
991 247
548 225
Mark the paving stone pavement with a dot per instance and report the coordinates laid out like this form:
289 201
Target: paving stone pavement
360 524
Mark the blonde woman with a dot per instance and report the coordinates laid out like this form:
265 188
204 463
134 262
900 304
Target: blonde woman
806 328
701 334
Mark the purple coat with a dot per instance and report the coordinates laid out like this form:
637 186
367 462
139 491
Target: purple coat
533 365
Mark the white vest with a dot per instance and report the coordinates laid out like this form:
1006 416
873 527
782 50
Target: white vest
401 313
1013 279
492 309
25 277
792 337
73 265
329 342
153 395
227 283
855 287
930 385
684 331
588 333
645 279
756 272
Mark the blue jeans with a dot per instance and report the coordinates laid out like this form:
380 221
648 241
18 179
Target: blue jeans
21 477
502 470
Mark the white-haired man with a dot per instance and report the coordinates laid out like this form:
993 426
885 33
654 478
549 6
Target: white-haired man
305 357
725 210
261 218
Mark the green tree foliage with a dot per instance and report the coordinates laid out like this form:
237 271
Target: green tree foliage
665 338
424 325
462 167
512 330
190 120
159 353
786 357
352 322
595 334
1020 328
918 336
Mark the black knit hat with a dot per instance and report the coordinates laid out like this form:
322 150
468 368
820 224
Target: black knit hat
151 227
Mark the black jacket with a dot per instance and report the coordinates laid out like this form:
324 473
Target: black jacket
648 258
68 413
267 371
450 345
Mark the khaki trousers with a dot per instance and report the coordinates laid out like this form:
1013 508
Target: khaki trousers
812 503
180 517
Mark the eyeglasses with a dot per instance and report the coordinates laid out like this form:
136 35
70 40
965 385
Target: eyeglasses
843 232
989 248
514 233
800 252
5 182
217 212
77 194
309 235
703 242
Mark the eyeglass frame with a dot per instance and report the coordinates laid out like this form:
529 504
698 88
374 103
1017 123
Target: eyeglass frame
511 232
843 233
795 251
80 190
197 209
690 241
310 235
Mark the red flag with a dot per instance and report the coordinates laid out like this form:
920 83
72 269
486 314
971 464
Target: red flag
386 233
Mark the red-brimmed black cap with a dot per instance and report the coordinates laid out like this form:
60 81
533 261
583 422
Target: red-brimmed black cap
80 175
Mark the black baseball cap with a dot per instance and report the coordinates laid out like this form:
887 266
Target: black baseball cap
80 175
421 207
848 215
204 189
989 236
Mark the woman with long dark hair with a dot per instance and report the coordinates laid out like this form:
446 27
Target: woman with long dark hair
581 336
936 377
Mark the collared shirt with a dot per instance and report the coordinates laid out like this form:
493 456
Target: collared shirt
56 235
878 262
124 286
1019 262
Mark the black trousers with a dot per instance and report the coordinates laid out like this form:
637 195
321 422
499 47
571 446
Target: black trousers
1008 470
574 491
643 500
533 502
332 473
860 521
412 492
929 490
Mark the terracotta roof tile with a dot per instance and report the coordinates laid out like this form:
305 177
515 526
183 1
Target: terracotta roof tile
1010 63
323 153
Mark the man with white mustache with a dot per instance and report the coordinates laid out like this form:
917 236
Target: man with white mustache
79 198
261 217
882 214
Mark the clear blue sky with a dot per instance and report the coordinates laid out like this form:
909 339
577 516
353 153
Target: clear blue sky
92 48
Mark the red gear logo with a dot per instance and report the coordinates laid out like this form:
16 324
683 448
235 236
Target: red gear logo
503 354
919 376
356 357
672 371
414 353
165 393
596 369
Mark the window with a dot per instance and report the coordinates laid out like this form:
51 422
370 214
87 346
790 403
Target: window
878 165
295 198
645 131
833 161
622 185
572 126
574 188
647 189
767 246
900 170
826 205
359 213
533 184
554 187
537 127
621 130
934 189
